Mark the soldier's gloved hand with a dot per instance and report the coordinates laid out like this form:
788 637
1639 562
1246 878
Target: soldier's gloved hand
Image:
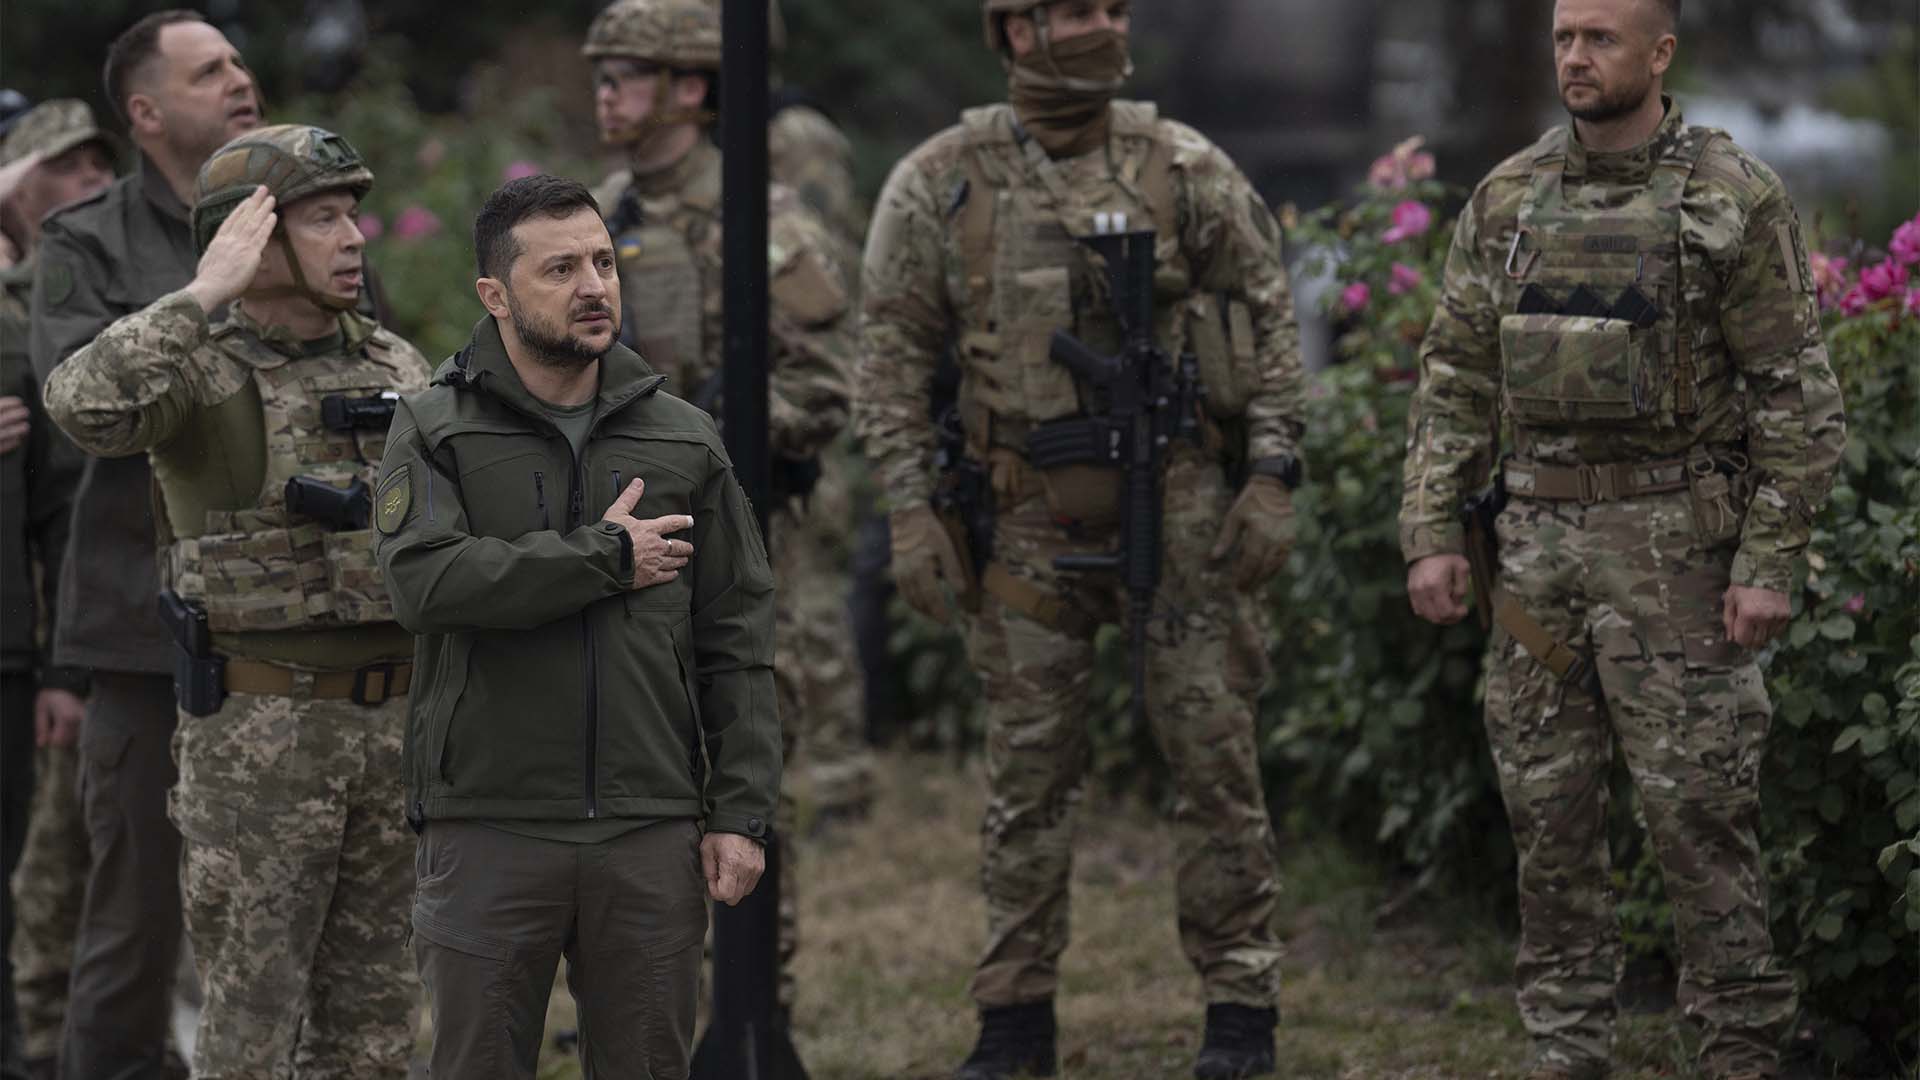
1261 523
923 554
234 254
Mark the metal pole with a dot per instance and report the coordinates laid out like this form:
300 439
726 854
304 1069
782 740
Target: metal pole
745 1038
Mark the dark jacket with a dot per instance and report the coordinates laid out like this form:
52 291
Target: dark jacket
98 260
545 688
36 496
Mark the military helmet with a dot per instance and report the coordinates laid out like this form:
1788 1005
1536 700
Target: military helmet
52 128
292 161
991 13
680 34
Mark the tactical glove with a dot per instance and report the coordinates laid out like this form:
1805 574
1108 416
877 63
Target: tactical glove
923 554
1261 522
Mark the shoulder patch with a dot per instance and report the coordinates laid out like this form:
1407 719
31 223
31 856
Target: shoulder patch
56 281
396 495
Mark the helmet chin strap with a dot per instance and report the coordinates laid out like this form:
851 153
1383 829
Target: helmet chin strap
299 287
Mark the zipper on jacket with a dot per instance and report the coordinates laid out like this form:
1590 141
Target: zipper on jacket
575 510
616 484
540 498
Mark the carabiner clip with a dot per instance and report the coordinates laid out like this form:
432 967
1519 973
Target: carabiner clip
1513 253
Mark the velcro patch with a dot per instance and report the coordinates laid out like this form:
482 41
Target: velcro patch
1611 244
395 497
56 281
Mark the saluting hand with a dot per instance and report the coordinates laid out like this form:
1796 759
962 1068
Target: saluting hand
656 558
233 255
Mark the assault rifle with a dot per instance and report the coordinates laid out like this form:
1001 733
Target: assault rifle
1149 400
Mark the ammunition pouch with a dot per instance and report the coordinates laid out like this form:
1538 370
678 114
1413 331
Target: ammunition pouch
1579 370
1220 336
1719 488
199 676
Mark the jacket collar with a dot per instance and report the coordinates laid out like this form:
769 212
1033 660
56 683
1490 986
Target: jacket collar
1634 166
483 366
153 184
354 329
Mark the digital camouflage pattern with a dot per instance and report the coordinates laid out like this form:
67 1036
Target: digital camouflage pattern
1036 681
298 873
1732 371
52 128
994 288
49 886
667 237
296 858
166 380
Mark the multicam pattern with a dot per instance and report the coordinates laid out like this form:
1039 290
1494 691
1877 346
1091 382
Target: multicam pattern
684 34
298 873
49 887
807 153
1629 583
924 292
1036 682
1735 367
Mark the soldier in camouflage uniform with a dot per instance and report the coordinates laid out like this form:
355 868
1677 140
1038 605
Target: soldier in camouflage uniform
53 155
1632 291
806 151
972 247
265 430
655 67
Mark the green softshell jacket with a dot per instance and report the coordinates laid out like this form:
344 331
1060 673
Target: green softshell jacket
544 687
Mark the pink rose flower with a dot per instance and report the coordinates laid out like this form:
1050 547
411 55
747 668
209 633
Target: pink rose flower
1856 603
1356 296
1405 164
519 170
1882 280
371 226
415 223
1404 279
1854 302
1829 278
1912 304
1905 245
1410 219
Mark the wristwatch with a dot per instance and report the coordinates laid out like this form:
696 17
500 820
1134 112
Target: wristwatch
1286 467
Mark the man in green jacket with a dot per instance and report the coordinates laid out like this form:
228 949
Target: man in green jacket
594 737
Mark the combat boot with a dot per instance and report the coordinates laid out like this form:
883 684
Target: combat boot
1015 1041
1239 1043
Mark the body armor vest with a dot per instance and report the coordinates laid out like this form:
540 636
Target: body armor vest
1025 276
267 567
1605 332
669 308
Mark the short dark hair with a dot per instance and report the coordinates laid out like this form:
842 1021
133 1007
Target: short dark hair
131 51
494 248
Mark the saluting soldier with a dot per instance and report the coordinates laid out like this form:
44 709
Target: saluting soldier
973 249
1632 293
265 429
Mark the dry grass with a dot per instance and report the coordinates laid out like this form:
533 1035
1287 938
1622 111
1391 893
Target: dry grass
892 919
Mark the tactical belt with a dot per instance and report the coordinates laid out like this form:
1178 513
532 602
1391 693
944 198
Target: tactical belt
1041 605
1589 484
370 685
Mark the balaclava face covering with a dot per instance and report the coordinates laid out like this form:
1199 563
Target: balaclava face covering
1061 90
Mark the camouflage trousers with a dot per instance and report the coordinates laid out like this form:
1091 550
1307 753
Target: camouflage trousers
1036 681
297 869
1628 584
49 887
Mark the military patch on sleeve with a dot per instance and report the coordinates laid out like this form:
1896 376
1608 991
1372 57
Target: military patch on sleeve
56 281
395 496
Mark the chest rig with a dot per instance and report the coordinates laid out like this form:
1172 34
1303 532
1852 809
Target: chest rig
303 555
1023 275
1603 330
669 292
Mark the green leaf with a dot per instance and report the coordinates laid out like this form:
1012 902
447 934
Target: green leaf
1830 926
1847 664
1874 708
1880 513
1874 742
1833 804
1837 627
1907 814
1801 634
1876 948
1849 738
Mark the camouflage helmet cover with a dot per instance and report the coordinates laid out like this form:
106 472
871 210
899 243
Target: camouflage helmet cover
681 34
991 12
52 128
292 161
